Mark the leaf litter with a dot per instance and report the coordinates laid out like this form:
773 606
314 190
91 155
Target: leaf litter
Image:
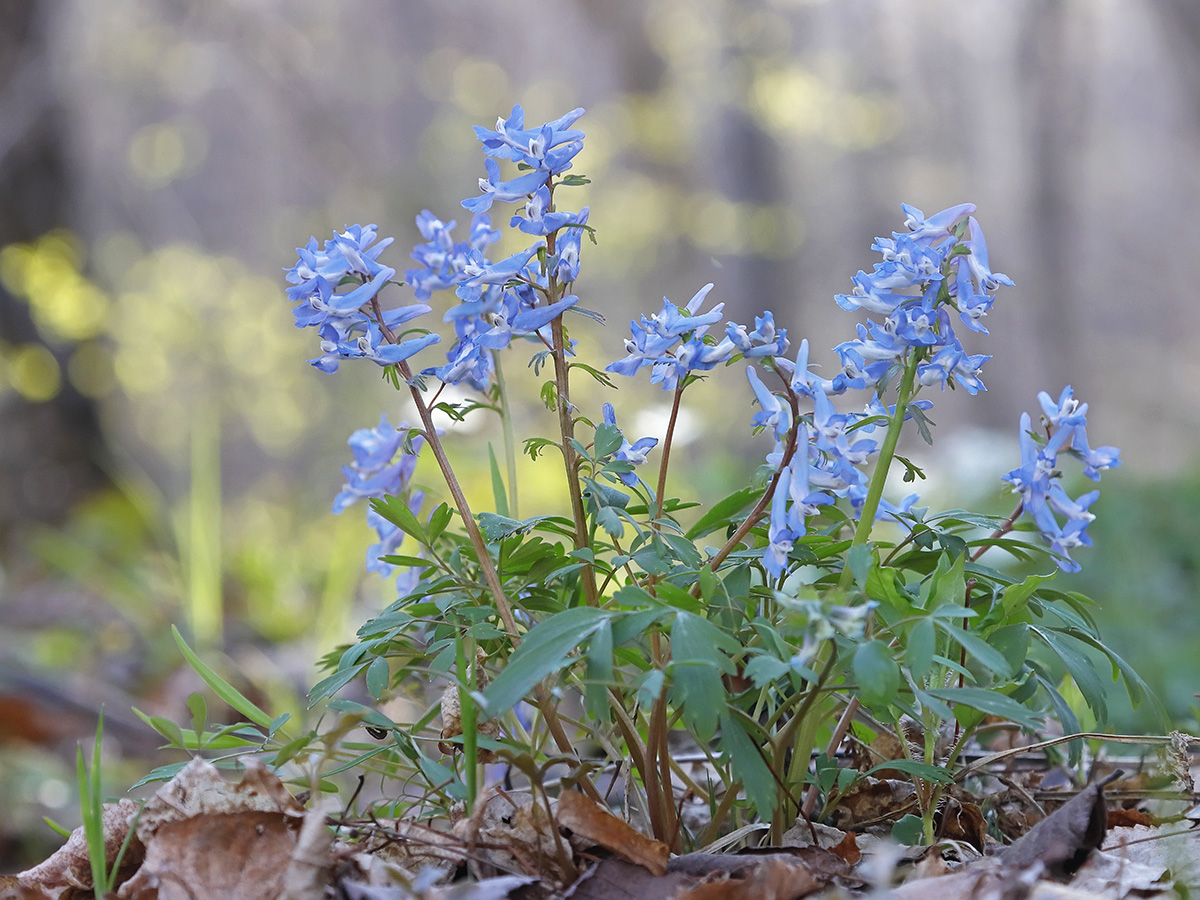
202 835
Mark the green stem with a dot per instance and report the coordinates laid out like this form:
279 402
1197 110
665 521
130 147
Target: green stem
566 429
510 441
866 522
464 649
666 454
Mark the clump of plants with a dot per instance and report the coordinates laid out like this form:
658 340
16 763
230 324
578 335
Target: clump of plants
762 625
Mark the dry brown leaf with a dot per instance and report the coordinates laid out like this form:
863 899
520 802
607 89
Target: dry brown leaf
1127 818
704 876
615 879
874 800
199 789
774 877
12 889
847 849
591 821
962 821
70 867
451 710
515 834
309 868
239 856
1064 839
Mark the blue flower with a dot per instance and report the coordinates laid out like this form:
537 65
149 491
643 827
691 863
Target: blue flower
381 467
977 261
492 188
773 414
1039 481
565 261
369 345
655 337
512 141
527 321
764 340
802 381
635 453
936 226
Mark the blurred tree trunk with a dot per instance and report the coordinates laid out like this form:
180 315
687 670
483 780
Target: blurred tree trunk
49 450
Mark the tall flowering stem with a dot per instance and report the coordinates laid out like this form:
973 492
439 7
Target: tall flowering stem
545 702
887 451
510 441
666 454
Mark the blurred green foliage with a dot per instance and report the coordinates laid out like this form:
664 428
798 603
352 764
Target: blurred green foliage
1144 574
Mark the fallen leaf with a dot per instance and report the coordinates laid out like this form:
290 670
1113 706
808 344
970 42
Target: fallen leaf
773 878
962 821
308 870
615 879
1064 839
513 833
847 849
199 789
451 711
70 866
874 800
239 856
1127 818
488 889
589 820
12 889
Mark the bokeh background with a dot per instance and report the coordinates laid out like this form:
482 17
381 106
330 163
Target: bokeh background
168 457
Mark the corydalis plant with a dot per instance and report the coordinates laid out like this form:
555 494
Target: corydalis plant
770 619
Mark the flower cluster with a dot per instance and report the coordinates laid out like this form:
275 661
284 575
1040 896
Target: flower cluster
940 264
520 295
350 323
674 342
924 273
1039 482
382 467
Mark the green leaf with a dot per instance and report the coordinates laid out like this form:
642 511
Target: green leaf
685 550
378 676
199 710
575 181
168 729
747 763
544 650
1016 596
368 715
877 673
438 520
719 514
859 559
1136 687
991 702
608 440
499 494
599 673
764 669
396 511
1080 668
610 520
946 584
222 688
909 830
698 657
920 647
987 656
913 767
678 597
329 686
1063 712
1013 642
